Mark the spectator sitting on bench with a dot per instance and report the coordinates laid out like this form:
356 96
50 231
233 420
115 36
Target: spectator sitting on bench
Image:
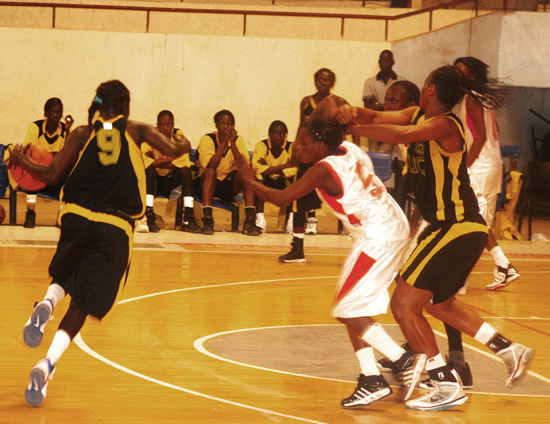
271 161
50 134
163 174
219 176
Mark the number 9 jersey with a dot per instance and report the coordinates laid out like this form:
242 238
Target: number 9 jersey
109 176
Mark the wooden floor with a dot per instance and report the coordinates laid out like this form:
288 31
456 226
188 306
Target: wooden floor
214 329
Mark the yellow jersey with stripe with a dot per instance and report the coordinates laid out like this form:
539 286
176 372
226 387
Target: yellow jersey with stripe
182 161
109 175
440 179
264 150
38 135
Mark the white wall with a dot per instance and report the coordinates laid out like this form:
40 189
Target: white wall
258 79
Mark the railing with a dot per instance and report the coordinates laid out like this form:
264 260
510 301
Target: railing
245 13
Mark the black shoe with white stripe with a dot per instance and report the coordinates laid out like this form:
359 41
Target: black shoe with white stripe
369 389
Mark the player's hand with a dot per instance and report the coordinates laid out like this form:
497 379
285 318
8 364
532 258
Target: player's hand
17 155
346 114
262 161
68 122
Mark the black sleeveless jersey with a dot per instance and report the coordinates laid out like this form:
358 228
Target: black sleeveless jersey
109 175
440 179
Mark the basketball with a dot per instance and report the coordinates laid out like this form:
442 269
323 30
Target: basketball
22 177
2 214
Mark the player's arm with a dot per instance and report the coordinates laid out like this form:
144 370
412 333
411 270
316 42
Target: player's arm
441 129
61 163
316 176
362 116
475 112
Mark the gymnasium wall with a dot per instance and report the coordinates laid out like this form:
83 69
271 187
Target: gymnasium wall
258 79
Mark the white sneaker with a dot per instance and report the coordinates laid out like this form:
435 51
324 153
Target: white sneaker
290 223
141 225
516 359
311 226
35 326
409 369
503 277
445 395
41 373
260 222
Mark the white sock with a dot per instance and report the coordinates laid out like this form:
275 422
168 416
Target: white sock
377 337
499 257
485 333
435 362
259 214
31 198
298 235
55 293
187 201
60 344
367 361
149 200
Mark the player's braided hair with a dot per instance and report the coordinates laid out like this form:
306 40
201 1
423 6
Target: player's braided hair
452 85
327 131
109 95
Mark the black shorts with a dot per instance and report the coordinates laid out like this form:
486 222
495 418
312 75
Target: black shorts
223 189
444 257
310 201
92 259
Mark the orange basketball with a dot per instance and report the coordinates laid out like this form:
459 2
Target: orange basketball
22 177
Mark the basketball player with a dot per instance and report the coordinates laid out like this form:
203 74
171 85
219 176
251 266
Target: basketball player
50 134
344 178
103 194
450 246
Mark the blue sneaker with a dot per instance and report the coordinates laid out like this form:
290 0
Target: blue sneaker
41 373
34 328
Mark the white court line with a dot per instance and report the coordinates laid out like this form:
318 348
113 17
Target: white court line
199 345
82 345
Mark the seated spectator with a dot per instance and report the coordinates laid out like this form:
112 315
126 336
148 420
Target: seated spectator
271 161
218 172
164 174
50 134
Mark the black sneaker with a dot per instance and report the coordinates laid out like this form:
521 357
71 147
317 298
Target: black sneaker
30 219
296 254
191 226
463 371
385 365
208 225
250 228
368 390
152 221
409 368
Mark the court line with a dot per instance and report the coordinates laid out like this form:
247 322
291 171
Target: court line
199 345
85 348
82 345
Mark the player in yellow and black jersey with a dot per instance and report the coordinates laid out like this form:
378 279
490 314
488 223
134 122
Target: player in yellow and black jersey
456 234
102 195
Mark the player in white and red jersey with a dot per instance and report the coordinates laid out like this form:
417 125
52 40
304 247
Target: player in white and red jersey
344 177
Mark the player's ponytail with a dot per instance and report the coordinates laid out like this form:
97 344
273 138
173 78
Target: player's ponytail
452 85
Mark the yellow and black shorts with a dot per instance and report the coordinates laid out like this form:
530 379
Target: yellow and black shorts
92 259
445 255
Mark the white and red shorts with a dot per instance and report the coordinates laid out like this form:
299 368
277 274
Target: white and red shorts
366 275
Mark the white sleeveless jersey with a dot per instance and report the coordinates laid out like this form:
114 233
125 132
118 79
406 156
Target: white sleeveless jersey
488 166
365 207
